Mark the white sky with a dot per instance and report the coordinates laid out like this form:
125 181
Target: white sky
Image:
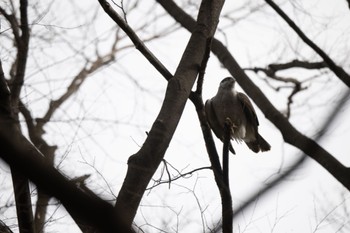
298 205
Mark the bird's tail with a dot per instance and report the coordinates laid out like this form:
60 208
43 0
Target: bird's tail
263 144
260 144
231 149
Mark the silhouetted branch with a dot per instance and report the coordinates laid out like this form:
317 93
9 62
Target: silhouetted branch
297 64
227 212
202 68
139 44
74 86
17 81
4 228
272 69
13 24
225 151
25 158
170 179
338 71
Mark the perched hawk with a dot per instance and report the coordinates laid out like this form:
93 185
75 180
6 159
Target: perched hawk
228 103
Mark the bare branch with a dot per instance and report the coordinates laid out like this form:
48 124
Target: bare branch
227 212
135 39
21 60
24 157
297 64
74 87
272 69
13 23
174 178
338 71
4 228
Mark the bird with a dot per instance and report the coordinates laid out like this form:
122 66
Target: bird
235 106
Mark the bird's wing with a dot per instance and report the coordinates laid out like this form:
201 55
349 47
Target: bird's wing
213 119
248 109
214 122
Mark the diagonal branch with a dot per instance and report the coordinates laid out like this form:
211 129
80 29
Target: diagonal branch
135 39
338 71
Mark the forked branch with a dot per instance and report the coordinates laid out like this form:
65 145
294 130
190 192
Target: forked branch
337 70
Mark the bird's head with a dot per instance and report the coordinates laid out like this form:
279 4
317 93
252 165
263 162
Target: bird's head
227 83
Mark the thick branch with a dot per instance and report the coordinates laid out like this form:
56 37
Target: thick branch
338 71
22 156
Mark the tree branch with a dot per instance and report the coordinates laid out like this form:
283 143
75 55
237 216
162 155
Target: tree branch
17 81
171 179
337 70
272 69
297 64
13 24
74 86
227 212
25 158
135 39
4 228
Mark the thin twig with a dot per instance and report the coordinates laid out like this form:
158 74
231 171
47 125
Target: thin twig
136 40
